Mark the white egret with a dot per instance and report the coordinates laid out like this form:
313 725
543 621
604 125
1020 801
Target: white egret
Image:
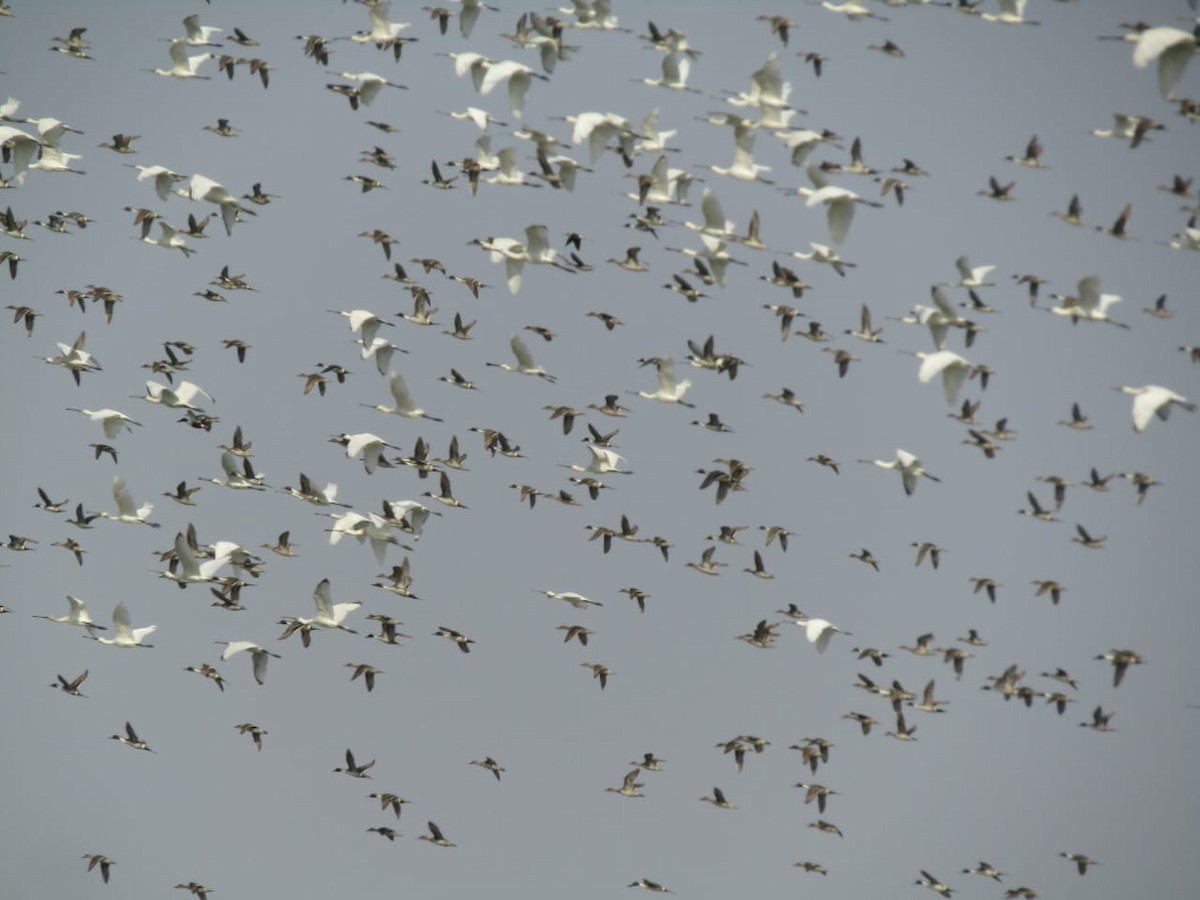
369 86
971 276
909 467
369 527
823 254
769 94
124 634
258 656
164 179
743 166
715 222
525 364
382 31
1154 400
22 148
128 512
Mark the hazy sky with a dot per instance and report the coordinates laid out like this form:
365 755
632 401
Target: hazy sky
987 780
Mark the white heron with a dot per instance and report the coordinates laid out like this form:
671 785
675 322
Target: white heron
1154 400
382 31
953 368
909 466
128 512
124 634
822 254
258 656
525 364
369 86
78 615
769 94
110 420
839 203
715 222
970 276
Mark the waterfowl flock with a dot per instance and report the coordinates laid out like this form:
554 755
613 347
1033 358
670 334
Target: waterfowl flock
748 174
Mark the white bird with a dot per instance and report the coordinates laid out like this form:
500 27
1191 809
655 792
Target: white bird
366 323
839 204
110 420
769 94
675 69
819 631
599 130
576 600
182 65
178 397
199 35
823 254
329 614
124 634
1172 47
469 14
971 276
1089 304
169 239
404 401
309 492
1154 400
519 77
258 656
604 461
238 479
128 512
22 147
743 166
953 368
909 466
525 364
369 527
669 389
382 31
78 615
164 178
74 358
369 445
369 86
201 187
1012 12
188 570
715 222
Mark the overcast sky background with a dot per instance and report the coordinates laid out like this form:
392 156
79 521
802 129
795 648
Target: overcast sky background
988 780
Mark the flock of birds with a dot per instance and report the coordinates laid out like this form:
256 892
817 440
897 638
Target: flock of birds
387 212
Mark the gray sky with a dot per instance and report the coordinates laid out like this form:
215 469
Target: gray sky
988 780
